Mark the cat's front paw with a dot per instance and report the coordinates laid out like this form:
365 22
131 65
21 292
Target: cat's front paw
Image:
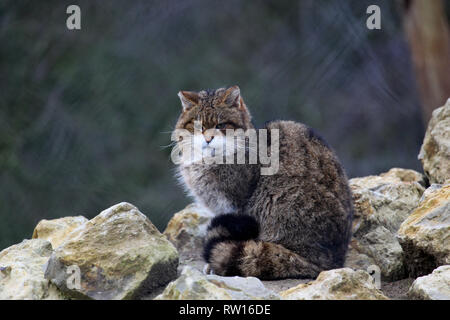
207 269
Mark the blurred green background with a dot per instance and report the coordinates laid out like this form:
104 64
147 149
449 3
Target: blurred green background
85 115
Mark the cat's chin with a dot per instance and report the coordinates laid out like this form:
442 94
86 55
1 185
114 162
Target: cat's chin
211 159
201 161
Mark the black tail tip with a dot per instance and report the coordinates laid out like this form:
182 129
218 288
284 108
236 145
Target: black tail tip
240 226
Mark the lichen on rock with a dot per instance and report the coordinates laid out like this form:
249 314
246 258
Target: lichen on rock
337 284
120 253
193 285
382 203
57 230
425 234
187 230
435 151
22 272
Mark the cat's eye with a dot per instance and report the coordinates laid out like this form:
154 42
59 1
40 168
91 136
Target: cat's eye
225 125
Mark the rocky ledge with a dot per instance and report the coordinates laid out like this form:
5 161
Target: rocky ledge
400 247
119 254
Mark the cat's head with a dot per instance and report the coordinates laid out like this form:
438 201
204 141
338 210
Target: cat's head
221 108
211 113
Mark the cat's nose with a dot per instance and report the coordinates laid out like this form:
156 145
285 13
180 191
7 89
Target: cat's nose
208 139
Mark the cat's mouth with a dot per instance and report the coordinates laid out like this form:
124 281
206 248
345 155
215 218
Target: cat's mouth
210 151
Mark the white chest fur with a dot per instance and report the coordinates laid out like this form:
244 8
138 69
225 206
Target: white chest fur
204 191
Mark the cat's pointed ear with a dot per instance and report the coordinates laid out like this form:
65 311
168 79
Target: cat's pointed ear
232 97
188 99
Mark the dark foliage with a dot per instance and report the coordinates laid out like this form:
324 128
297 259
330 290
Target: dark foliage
85 115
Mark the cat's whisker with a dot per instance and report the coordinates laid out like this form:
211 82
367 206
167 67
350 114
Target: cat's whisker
168 145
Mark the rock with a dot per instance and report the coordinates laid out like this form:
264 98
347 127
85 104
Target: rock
22 272
337 284
435 151
193 285
382 245
120 255
241 288
57 230
386 199
425 234
382 203
435 286
187 230
357 260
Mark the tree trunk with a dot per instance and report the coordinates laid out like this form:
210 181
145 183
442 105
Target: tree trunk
427 31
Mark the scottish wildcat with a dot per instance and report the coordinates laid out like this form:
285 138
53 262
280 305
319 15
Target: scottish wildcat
294 223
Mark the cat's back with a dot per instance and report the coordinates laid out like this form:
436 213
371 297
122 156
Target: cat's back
310 192
307 161
302 151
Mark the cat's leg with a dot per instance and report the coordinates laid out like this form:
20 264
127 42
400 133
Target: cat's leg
253 258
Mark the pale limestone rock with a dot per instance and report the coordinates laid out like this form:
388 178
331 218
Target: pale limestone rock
382 245
22 272
120 253
243 288
435 286
435 151
355 259
192 284
187 230
382 203
425 234
386 199
57 230
337 284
